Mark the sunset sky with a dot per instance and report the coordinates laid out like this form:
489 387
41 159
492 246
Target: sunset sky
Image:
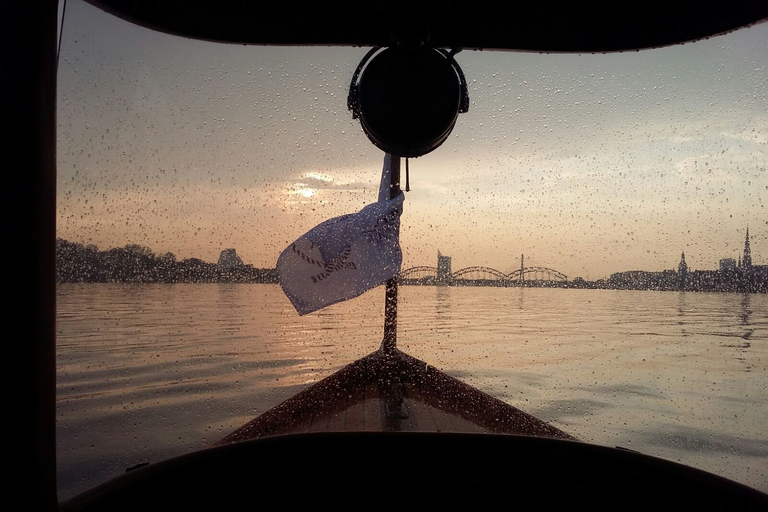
588 164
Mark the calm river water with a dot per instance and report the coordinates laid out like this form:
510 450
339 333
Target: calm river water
147 372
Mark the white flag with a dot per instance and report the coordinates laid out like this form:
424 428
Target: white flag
345 256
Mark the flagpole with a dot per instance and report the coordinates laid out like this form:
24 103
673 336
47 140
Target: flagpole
390 300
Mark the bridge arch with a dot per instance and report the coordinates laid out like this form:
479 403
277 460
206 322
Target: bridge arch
468 271
548 274
418 272
427 275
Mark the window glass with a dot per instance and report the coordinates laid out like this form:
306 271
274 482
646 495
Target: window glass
567 173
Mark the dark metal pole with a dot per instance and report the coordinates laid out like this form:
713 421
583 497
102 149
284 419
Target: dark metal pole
390 302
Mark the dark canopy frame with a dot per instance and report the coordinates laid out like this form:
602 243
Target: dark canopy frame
29 135
541 26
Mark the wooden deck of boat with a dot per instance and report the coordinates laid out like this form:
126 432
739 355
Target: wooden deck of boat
365 410
393 392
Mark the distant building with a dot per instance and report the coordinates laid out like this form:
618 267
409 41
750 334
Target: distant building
746 261
755 275
733 276
229 259
727 265
444 273
682 272
643 280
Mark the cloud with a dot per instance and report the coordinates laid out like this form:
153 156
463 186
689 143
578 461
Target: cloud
317 176
753 136
726 166
322 187
703 166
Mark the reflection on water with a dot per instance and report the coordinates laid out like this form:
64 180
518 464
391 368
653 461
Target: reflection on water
745 309
443 318
146 372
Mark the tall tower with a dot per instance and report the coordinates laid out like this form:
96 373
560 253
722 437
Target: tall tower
444 273
682 272
746 261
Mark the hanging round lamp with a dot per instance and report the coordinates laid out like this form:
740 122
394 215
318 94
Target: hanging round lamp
408 100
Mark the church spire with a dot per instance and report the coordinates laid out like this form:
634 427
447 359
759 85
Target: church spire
746 261
682 272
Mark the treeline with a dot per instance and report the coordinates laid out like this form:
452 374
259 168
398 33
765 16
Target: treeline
754 280
78 263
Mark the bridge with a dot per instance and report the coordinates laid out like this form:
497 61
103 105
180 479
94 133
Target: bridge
534 276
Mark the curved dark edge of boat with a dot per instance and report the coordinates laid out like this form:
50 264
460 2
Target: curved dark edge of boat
383 470
395 375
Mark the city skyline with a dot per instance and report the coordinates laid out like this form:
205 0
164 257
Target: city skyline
229 258
137 264
590 164
746 252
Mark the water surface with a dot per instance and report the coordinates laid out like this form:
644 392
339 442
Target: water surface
147 372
